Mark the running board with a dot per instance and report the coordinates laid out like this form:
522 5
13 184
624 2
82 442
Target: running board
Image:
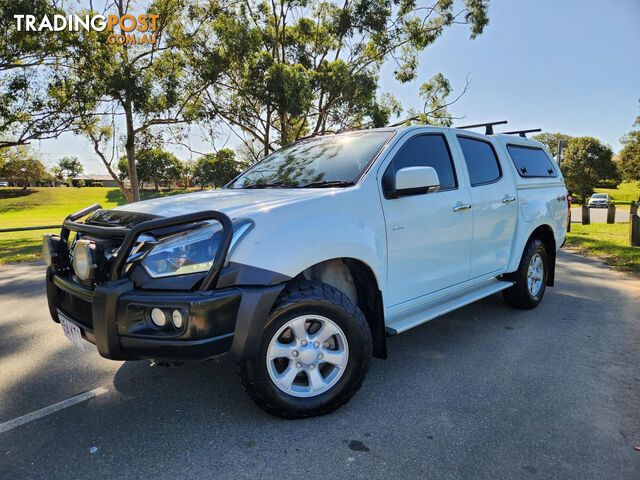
419 315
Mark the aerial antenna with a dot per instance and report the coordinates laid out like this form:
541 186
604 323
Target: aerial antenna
487 125
522 133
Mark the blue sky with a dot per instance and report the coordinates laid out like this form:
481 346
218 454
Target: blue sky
564 66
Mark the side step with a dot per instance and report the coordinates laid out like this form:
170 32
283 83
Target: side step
429 311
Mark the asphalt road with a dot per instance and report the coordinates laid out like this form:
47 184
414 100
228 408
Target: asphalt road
484 392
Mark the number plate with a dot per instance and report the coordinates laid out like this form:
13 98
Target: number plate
71 330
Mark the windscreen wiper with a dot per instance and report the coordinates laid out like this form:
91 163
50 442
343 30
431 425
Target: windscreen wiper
268 185
328 183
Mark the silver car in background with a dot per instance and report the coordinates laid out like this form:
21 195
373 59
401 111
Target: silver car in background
599 200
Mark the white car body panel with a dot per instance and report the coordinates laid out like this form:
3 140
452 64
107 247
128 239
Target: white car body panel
426 258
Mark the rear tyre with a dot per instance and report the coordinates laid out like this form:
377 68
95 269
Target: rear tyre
530 278
314 353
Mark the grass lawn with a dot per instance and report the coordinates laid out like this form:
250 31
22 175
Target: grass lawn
48 206
609 241
623 193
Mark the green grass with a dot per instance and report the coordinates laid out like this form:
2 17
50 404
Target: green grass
48 206
623 193
608 241
22 246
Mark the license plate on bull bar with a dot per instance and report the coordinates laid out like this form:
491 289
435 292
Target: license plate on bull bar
71 330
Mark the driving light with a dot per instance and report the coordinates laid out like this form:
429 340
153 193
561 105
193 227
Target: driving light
192 251
81 261
86 257
158 317
176 319
46 250
55 251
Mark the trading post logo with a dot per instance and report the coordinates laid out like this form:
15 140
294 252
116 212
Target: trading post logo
136 30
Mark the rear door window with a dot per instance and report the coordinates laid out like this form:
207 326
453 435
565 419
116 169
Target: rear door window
482 162
531 161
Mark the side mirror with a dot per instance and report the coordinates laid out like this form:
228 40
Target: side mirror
414 181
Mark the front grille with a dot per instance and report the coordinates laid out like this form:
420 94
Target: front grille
78 309
82 310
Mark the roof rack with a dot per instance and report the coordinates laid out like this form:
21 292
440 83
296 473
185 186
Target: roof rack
522 133
488 125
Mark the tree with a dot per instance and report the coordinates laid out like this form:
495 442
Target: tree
550 140
137 87
587 162
68 167
154 166
629 163
281 71
216 169
21 168
27 61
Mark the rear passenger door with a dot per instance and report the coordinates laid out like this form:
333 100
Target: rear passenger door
428 235
494 206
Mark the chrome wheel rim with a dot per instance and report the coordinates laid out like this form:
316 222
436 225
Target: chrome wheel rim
535 274
307 356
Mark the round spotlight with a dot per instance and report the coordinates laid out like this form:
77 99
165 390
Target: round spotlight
158 317
176 319
55 252
82 260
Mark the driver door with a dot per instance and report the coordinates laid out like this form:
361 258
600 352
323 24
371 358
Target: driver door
428 235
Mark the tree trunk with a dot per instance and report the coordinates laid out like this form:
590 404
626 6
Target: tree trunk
284 131
266 132
131 151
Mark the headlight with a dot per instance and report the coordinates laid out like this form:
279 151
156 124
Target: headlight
86 258
192 251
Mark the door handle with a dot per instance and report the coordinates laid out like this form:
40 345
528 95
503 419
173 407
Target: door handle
461 206
508 198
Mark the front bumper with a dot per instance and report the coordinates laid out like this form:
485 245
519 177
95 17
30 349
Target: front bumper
115 318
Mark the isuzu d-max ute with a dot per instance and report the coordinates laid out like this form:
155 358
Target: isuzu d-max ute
304 264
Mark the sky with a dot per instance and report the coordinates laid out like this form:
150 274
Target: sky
570 66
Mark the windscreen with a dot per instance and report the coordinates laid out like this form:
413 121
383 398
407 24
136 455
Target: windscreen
323 161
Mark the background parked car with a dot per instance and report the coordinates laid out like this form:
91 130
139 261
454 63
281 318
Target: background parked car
599 200
4 184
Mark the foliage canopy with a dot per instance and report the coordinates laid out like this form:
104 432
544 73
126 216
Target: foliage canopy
587 163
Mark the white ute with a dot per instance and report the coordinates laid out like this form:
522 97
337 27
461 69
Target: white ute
361 235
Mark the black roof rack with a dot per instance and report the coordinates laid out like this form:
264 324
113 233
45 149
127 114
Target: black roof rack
522 133
488 125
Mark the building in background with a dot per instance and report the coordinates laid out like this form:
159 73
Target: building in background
91 179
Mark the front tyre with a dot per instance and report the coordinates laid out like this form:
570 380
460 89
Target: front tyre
314 353
530 278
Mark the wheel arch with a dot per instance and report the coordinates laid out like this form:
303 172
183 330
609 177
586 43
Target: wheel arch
356 279
544 233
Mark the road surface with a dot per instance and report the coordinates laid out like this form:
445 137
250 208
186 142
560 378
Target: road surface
486 392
